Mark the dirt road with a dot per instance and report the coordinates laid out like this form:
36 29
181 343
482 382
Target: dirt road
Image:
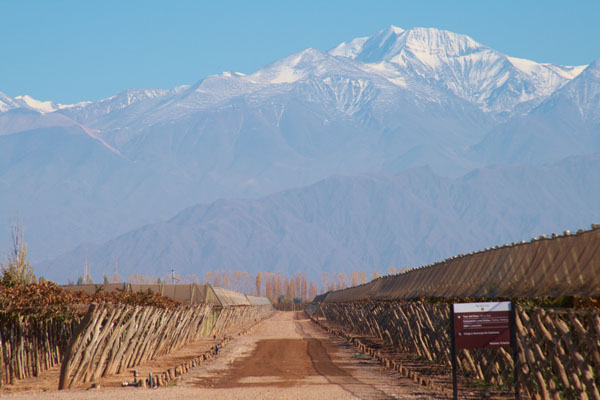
284 357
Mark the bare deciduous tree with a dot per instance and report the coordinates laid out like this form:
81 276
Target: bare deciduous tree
18 270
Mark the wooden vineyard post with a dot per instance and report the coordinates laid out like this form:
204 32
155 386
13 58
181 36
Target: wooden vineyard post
65 367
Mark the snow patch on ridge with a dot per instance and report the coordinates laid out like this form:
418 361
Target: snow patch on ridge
43 107
286 74
567 72
231 74
6 103
363 45
309 62
532 68
527 66
349 49
397 30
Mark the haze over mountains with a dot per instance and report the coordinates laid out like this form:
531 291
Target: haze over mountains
396 100
359 223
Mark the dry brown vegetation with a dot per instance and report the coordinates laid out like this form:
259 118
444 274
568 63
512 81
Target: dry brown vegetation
47 299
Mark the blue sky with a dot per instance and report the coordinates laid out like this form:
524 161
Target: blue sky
69 51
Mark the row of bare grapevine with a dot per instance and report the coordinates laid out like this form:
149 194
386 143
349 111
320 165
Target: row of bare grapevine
37 321
559 349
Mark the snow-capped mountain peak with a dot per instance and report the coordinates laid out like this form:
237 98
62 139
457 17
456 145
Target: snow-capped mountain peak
483 76
389 43
349 49
7 103
433 44
426 61
130 96
397 30
40 106
532 68
370 49
583 92
309 62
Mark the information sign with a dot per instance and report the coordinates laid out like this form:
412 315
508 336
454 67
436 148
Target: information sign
482 325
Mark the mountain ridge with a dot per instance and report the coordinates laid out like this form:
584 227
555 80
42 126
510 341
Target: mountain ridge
368 221
431 47
428 98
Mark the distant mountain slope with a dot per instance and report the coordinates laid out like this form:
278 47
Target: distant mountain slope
183 147
67 186
24 119
566 123
356 223
395 100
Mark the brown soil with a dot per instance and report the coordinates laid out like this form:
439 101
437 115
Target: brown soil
268 360
287 363
294 357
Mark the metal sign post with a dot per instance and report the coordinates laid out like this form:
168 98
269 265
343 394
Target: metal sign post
483 325
515 348
453 356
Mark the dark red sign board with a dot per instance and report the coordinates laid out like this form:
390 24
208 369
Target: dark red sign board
482 325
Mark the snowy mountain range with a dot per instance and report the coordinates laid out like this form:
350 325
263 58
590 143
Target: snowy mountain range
420 59
395 100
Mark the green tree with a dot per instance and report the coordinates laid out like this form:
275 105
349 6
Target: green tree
18 270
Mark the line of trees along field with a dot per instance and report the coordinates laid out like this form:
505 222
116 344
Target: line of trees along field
275 286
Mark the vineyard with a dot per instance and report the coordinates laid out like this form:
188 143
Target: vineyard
93 333
554 283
